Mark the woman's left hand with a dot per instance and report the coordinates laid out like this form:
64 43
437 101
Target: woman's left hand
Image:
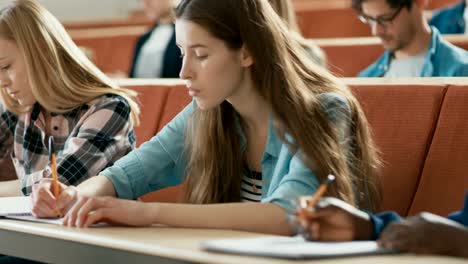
90 210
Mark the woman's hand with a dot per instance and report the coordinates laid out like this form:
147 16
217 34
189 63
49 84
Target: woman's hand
90 210
335 220
426 234
46 205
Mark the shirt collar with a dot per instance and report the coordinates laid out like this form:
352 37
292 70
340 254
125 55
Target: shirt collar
435 39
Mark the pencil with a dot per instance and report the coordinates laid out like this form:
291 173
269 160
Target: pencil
311 202
53 163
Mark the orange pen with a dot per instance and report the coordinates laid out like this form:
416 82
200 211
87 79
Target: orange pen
53 163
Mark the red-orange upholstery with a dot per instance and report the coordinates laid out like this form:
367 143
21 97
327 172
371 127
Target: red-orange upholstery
444 178
331 23
403 118
152 101
112 48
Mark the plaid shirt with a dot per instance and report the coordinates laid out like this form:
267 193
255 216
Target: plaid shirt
87 140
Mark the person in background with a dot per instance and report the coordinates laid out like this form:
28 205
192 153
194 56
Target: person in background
285 9
413 48
267 124
336 220
156 53
49 88
451 19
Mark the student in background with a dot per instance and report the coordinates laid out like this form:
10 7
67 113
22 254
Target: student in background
335 220
285 9
451 20
413 48
267 124
49 88
156 53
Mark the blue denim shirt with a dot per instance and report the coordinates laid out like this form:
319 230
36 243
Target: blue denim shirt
160 162
382 220
449 20
442 60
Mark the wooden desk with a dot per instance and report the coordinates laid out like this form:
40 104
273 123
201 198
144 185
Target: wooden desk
57 244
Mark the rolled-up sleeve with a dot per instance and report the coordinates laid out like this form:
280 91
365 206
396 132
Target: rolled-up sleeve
156 164
299 181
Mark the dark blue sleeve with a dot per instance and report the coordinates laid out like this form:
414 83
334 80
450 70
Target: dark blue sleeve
381 221
462 215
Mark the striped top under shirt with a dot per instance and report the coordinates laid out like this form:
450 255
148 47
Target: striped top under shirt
251 186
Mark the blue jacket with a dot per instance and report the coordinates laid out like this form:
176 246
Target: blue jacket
172 62
449 20
382 220
442 60
160 162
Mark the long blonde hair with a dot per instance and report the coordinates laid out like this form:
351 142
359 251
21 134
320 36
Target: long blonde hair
288 80
61 77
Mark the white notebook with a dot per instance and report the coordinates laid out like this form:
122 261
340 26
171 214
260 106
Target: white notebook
292 247
20 208
15 206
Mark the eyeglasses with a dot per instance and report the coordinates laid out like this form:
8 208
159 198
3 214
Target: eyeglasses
383 21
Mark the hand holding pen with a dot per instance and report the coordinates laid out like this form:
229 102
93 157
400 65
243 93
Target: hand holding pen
307 203
331 219
53 164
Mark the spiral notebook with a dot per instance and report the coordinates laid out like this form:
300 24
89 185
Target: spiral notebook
292 247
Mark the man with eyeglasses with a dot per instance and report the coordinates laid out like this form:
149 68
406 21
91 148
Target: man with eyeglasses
451 19
413 48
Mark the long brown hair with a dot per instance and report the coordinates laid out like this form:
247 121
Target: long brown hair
285 9
61 77
292 85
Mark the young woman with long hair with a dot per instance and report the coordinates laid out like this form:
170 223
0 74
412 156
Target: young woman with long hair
49 88
266 125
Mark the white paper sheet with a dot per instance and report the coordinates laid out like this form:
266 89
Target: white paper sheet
20 208
20 205
292 247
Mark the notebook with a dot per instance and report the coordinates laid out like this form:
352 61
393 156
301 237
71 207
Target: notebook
292 247
15 206
20 208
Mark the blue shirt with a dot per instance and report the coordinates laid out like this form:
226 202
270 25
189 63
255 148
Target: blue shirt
382 220
449 20
442 60
159 163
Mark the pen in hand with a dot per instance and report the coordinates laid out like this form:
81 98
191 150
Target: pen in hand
312 201
53 163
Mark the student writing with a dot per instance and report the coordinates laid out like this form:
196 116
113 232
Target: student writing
49 88
261 107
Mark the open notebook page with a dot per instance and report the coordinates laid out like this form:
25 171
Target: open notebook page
10 206
20 208
291 247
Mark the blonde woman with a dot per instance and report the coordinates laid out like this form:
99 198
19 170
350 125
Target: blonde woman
266 125
49 88
285 9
